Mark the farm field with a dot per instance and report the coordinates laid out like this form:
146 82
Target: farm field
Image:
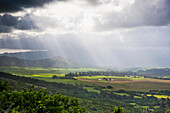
43 72
128 83
46 74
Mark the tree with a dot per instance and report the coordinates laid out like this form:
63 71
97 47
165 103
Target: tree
33 101
4 86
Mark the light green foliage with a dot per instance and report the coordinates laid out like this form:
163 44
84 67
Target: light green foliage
168 111
32 101
118 109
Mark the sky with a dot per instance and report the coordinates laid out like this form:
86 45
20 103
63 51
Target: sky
124 33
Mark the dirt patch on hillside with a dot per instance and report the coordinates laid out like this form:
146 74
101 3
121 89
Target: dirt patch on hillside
145 84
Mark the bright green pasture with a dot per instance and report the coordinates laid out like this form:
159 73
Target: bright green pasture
137 97
122 94
132 104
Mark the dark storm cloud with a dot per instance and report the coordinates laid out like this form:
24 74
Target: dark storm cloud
9 22
18 5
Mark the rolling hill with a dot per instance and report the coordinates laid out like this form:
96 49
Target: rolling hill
45 63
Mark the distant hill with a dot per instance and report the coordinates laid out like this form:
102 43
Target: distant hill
81 57
31 55
45 63
155 71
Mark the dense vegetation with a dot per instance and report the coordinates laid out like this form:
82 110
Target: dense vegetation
97 73
32 101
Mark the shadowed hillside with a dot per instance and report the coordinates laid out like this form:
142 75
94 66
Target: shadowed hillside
52 62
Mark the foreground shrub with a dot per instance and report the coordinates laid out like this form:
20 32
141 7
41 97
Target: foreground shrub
32 101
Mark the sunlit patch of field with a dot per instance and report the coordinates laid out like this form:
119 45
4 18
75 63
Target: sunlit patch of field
48 75
122 94
137 97
159 96
132 104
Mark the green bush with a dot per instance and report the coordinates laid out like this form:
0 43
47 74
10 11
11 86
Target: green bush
118 110
32 101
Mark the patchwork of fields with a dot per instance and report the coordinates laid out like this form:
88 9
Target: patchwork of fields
128 83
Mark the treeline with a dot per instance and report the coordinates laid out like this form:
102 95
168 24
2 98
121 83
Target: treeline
65 77
96 73
156 77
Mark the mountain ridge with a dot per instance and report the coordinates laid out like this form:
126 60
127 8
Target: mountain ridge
44 63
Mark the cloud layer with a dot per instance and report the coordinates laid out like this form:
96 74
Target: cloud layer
137 13
94 16
9 23
87 15
18 5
